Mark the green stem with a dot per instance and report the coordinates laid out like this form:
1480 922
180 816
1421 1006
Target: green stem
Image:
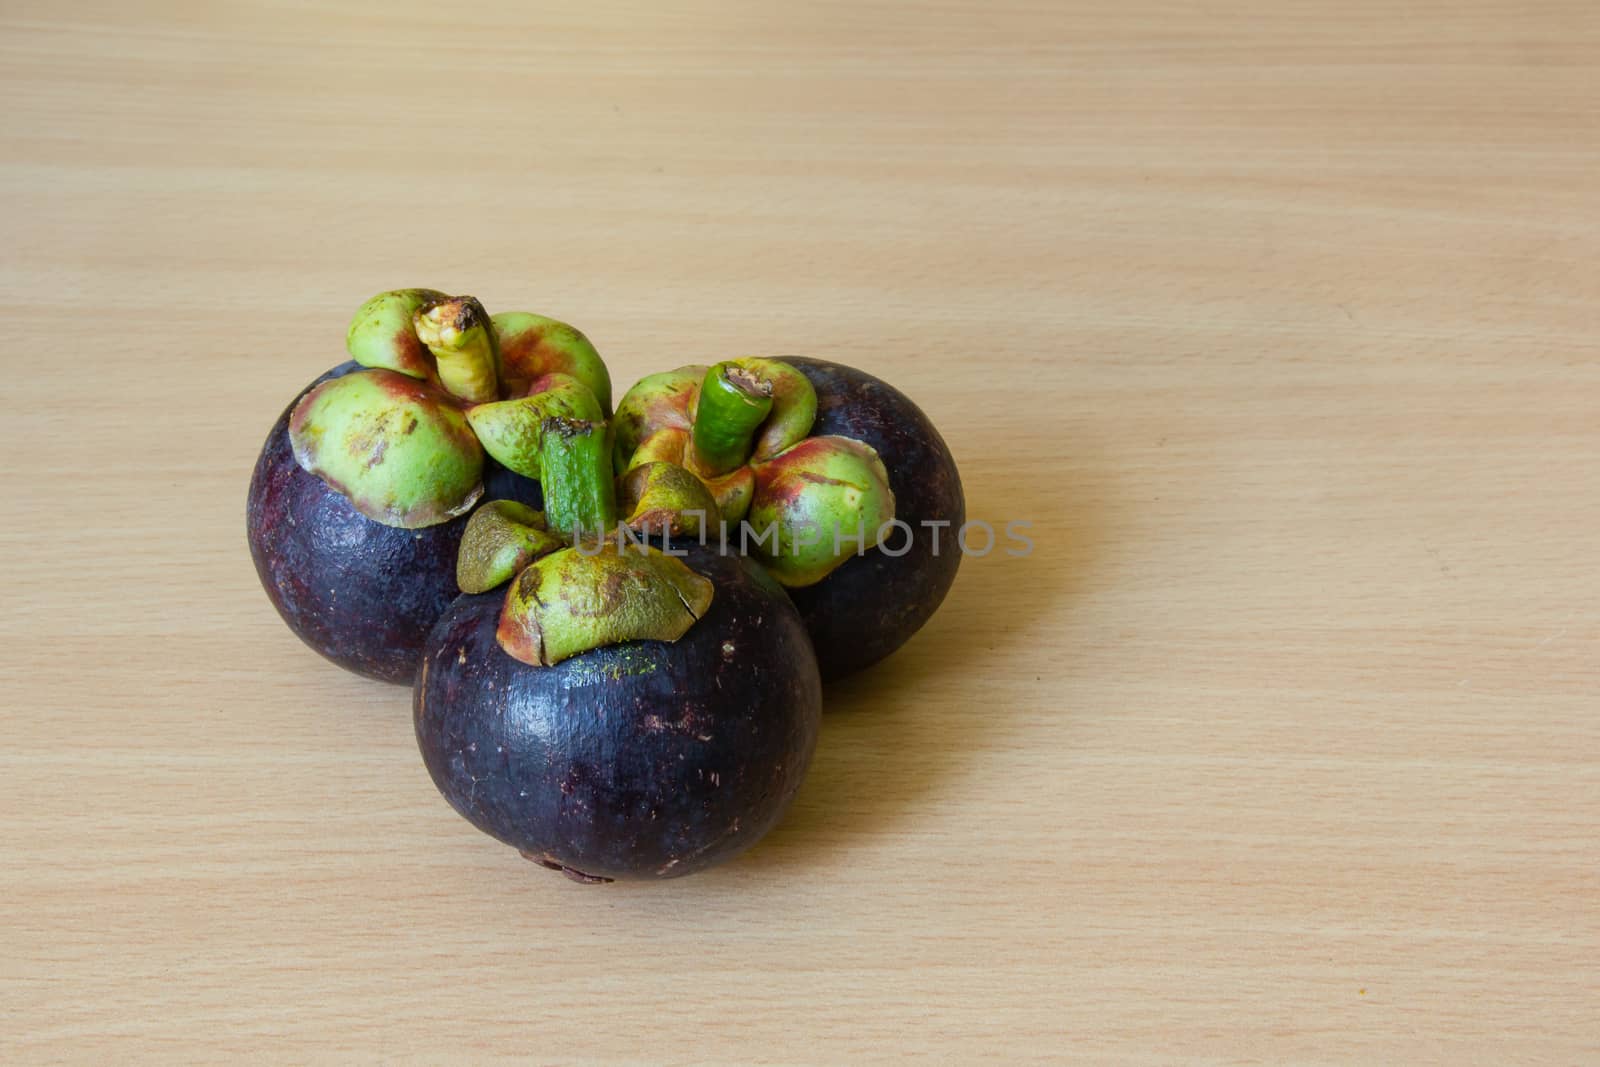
457 332
575 475
733 403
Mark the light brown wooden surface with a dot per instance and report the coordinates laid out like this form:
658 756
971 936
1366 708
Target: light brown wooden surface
1278 319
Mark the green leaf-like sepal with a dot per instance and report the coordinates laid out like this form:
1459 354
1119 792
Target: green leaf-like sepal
501 538
570 602
398 448
733 492
667 445
665 498
532 346
381 334
827 497
509 429
656 402
794 406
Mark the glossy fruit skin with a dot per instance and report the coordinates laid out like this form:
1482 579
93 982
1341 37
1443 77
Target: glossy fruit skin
874 602
362 594
641 760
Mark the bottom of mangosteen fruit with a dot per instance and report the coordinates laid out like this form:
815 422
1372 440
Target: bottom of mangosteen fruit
361 593
874 602
638 760
551 865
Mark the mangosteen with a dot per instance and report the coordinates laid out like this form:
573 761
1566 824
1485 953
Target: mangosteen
362 593
361 493
636 708
874 602
839 484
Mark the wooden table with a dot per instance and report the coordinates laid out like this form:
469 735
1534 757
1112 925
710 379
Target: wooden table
1278 320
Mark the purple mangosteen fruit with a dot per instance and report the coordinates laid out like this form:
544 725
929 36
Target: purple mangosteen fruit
636 707
360 592
360 496
873 603
834 480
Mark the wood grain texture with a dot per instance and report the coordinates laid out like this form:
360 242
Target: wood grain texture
1278 318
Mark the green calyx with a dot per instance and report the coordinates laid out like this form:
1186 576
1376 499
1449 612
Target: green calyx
716 421
668 445
532 346
825 499
656 403
396 447
456 332
500 539
741 429
598 592
575 474
572 601
733 492
665 498
510 429
382 334
399 453
794 405
748 410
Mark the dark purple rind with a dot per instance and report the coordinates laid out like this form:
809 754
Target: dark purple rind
362 594
605 770
873 603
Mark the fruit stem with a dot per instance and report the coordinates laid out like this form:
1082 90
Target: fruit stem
733 403
457 332
575 475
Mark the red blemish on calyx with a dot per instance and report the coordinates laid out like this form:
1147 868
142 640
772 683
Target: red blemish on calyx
541 384
805 448
527 358
411 352
402 387
524 347
775 482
